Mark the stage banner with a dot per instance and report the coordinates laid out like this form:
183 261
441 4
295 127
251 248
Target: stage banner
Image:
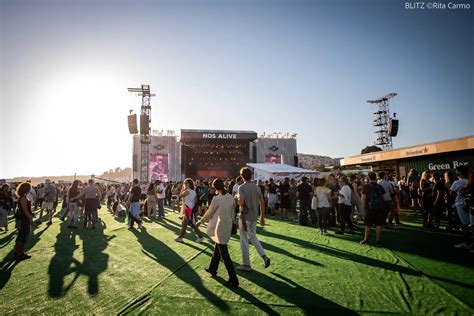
159 167
272 158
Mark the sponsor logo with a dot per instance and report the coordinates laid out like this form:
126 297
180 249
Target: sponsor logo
273 148
159 147
417 152
366 159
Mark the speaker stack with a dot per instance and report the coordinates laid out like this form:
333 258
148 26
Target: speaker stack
132 124
393 129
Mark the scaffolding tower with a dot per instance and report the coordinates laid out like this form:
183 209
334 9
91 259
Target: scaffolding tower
382 121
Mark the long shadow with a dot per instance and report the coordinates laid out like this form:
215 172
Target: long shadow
286 253
6 239
249 298
295 294
63 262
167 257
350 256
9 263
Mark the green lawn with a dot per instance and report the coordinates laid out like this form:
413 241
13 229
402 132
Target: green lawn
112 270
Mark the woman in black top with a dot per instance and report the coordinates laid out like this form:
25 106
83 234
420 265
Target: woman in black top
24 218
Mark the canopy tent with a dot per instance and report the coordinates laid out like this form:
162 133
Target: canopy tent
265 171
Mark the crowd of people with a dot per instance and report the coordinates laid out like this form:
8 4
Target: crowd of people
337 201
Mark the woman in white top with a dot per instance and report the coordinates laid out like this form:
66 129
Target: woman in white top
188 195
220 216
323 195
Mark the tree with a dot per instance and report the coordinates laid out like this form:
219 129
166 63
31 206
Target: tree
370 149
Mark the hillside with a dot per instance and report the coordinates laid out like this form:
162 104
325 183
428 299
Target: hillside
309 161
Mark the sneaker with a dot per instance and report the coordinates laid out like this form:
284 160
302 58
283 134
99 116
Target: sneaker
463 246
140 226
244 268
131 228
179 239
266 262
231 284
364 242
200 240
213 274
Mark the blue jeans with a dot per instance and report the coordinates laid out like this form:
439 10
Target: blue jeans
161 210
463 215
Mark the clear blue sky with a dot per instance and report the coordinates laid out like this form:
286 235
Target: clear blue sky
303 67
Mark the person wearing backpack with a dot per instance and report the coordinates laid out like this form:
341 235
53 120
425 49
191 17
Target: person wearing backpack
372 198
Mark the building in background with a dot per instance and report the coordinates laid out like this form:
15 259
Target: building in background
439 156
212 153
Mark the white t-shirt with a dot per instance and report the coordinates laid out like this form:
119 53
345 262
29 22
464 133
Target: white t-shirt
346 195
457 186
235 190
387 186
144 187
190 199
323 196
32 195
161 188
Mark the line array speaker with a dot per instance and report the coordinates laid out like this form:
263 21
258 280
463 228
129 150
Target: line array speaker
132 124
144 124
393 130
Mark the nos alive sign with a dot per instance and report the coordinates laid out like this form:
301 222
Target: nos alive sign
217 135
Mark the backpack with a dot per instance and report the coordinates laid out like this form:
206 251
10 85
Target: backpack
376 201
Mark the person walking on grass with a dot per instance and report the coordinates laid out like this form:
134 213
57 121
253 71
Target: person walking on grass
220 216
345 207
250 199
372 198
189 198
48 201
72 205
133 205
91 195
457 190
24 219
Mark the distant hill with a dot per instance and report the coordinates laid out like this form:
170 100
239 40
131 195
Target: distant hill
117 174
309 161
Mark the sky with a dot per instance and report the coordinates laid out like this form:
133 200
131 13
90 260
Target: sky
304 67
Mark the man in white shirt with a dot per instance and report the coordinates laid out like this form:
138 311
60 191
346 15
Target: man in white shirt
388 188
345 206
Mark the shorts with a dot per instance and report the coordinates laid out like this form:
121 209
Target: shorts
376 218
272 199
47 205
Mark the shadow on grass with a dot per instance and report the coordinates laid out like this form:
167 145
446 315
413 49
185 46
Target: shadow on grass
350 256
63 262
168 258
9 263
294 294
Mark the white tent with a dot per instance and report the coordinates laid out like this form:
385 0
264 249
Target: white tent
265 171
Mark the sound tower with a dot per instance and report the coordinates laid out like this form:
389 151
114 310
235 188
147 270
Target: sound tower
132 124
393 129
144 125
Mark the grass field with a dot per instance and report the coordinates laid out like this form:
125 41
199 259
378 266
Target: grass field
111 270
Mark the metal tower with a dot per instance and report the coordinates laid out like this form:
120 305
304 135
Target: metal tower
382 121
145 135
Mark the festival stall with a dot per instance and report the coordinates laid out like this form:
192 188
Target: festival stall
265 171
